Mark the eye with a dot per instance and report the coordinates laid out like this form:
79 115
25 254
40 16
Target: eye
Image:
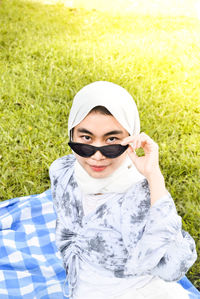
86 138
112 139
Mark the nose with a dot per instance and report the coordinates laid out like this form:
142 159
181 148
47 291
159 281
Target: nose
98 156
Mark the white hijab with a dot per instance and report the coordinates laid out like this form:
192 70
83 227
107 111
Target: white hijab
122 106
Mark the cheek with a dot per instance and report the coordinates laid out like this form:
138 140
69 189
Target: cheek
74 138
80 159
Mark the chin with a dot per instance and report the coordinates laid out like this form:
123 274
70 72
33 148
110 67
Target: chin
97 175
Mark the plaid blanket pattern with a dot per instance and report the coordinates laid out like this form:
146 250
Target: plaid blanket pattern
30 265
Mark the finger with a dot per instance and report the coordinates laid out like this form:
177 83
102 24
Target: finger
133 156
136 141
141 141
135 138
147 142
129 139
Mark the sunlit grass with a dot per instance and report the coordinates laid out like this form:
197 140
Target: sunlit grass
145 7
47 53
153 7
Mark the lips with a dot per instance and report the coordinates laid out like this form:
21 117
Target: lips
97 168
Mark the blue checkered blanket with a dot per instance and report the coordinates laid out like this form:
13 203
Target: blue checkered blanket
30 265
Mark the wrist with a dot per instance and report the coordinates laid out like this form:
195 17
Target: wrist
155 175
156 185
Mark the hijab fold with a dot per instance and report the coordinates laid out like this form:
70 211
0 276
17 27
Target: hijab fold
122 106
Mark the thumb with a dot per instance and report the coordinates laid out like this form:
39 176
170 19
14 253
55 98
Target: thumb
132 154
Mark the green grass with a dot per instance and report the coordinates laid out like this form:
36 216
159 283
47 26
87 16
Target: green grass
47 53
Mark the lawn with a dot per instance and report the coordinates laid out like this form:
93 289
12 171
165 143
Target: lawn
47 53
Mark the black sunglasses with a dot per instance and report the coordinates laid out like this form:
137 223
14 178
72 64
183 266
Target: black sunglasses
86 150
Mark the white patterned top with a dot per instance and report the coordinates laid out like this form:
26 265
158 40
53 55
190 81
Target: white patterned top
124 236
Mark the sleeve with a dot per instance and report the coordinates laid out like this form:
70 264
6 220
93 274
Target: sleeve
59 172
163 249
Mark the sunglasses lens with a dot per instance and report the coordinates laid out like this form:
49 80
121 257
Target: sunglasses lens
83 150
113 151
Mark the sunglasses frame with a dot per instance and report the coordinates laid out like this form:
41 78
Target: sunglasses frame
105 150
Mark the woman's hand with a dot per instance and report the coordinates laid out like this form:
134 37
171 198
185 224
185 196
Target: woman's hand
148 165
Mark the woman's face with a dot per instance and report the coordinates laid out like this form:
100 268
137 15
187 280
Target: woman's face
98 129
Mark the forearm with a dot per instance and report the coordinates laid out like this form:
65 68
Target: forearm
156 185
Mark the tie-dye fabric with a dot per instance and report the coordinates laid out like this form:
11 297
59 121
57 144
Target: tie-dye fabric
125 235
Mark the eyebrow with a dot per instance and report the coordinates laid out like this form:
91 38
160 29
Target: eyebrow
114 132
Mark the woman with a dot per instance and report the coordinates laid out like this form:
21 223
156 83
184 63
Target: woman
117 226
